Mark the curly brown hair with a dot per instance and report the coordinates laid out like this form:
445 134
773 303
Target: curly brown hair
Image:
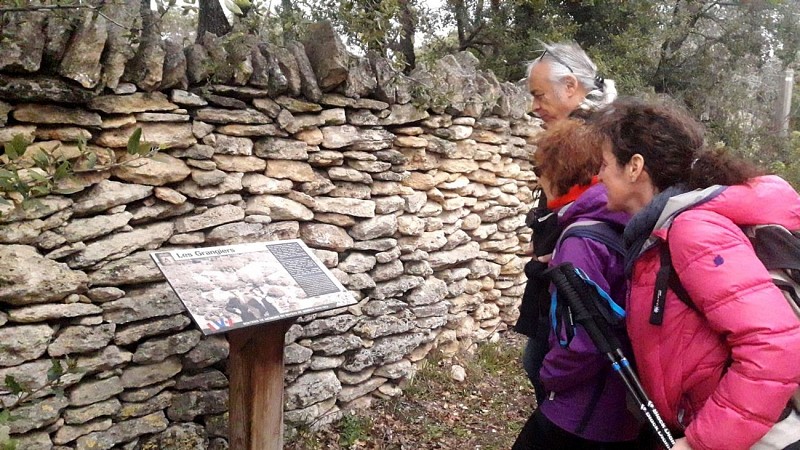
568 155
671 143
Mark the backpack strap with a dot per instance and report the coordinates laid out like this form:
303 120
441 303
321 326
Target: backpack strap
667 278
596 230
602 232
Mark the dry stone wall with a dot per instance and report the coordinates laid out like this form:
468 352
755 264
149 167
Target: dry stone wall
411 189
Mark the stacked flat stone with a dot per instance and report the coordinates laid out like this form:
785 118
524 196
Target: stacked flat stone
415 203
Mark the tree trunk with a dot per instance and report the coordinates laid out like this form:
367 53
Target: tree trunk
460 10
212 19
408 28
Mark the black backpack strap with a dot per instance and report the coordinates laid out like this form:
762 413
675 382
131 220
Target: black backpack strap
602 232
596 230
667 278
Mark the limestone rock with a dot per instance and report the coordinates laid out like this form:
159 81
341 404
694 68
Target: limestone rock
41 313
350 393
118 49
182 436
320 235
188 405
159 349
146 68
108 194
133 269
239 163
22 50
352 207
308 79
210 218
205 380
139 376
208 351
294 170
383 326
134 332
53 114
278 208
23 343
228 145
81 62
94 391
159 170
123 432
143 303
68 433
134 103
28 278
385 350
77 416
312 388
163 135
37 414
228 116
396 287
81 339
42 89
327 55
122 244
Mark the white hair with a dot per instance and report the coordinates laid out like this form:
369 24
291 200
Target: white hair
568 58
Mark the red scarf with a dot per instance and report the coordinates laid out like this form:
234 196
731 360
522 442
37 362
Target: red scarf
571 195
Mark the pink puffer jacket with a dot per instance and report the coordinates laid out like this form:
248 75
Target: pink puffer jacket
728 373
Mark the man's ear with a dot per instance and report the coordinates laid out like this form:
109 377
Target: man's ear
570 84
635 167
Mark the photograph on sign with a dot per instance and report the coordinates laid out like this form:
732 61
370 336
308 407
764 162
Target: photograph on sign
236 286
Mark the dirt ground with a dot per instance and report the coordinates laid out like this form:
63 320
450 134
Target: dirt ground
485 411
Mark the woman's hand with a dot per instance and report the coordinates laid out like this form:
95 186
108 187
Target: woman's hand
681 444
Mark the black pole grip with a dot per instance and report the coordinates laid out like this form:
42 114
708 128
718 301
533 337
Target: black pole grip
568 292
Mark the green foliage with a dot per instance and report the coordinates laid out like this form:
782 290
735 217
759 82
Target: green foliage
24 394
26 175
789 166
353 428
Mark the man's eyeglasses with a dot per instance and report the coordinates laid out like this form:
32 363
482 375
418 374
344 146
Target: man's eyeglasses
557 59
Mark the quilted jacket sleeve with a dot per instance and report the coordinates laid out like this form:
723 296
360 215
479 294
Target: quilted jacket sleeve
732 289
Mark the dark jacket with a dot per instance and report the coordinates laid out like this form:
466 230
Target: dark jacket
536 298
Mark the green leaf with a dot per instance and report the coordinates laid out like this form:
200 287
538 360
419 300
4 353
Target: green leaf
41 160
40 191
38 177
62 171
82 145
13 386
56 371
16 147
144 149
91 160
134 140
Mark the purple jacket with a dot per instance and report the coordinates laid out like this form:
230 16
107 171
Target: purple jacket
572 376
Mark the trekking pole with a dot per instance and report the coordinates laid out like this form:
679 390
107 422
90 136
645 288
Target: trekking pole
582 301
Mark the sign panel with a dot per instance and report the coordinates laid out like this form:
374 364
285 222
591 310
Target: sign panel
236 286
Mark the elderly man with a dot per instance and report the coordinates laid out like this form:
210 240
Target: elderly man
564 83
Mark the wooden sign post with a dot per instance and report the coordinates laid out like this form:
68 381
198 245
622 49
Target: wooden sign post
252 292
256 387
